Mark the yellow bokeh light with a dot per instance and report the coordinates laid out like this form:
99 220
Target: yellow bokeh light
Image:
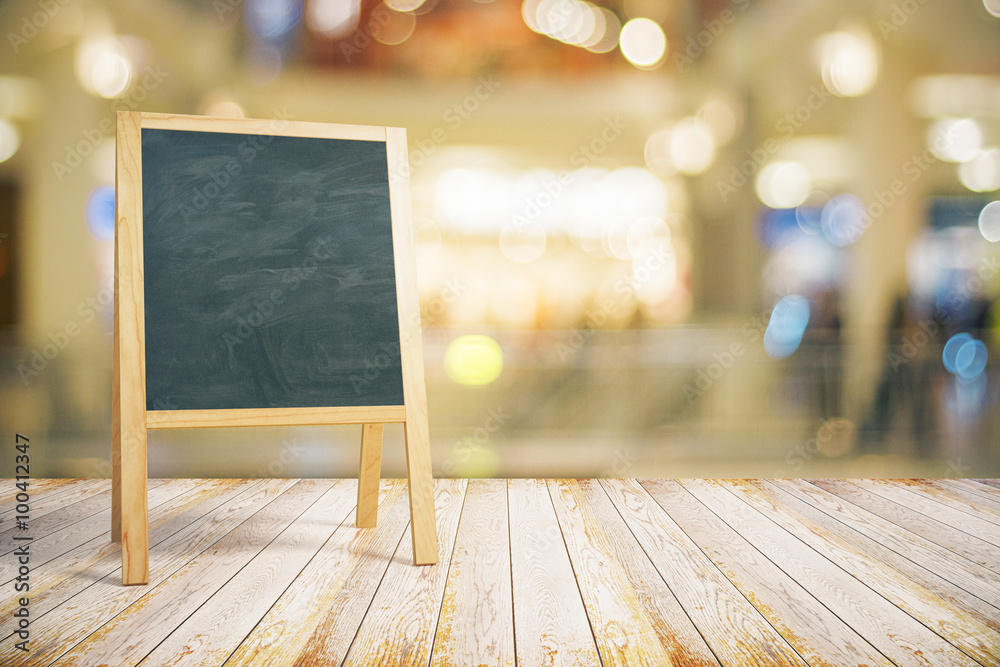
643 43
473 360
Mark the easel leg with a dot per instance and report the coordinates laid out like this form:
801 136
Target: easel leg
116 427
134 511
421 485
368 475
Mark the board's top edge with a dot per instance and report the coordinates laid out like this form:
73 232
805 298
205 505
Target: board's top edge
265 126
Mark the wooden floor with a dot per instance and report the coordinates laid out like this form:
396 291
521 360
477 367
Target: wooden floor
532 572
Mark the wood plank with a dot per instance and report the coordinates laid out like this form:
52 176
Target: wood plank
416 431
36 487
936 508
816 633
52 546
994 483
130 512
476 625
971 491
399 627
212 633
893 632
369 472
52 634
74 509
74 571
677 635
956 626
133 633
731 626
44 501
550 622
319 614
161 419
930 555
622 629
276 126
924 575
927 527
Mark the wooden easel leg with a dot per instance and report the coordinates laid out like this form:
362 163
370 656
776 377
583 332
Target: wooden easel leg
116 425
134 511
368 475
421 485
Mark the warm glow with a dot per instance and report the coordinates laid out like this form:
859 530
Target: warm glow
643 43
333 18
473 360
783 184
981 173
692 148
849 62
955 139
103 66
10 139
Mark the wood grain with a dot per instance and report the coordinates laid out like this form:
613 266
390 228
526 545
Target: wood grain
265 127
38 488
129 455
934 507
43 501
816 633
956 626
936 531
623 631
398 628
971 491
315 620
161 419
134 632
369 472
415 429
919 570
732 627
74 571
476 625
211 634
897 635
551 626
101 601
677 635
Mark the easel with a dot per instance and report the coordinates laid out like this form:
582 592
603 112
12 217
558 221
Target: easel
132 420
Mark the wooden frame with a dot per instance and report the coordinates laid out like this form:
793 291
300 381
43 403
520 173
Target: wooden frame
132 420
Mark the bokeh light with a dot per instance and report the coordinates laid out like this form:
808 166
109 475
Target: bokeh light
657 153
391 27
970 360
523 243
955 139
272 19
786 326
103 65
843 220
849 62
783 184
405 5
611 32
951 348
982 172
720 118
993 7
989 222
692 148
643 43
333 18
473 360
100 213
10 139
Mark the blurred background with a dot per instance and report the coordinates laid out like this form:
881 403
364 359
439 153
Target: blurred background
654 237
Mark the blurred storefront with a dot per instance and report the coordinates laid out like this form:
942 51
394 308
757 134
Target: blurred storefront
654 238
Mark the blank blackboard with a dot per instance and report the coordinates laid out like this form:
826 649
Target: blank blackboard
269 275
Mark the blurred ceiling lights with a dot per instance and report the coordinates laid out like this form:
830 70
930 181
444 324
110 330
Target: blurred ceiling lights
783 184
848 61
643 43
955 139
334 19
574 22
103 65
982 172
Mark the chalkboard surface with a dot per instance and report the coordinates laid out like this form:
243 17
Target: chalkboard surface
269 274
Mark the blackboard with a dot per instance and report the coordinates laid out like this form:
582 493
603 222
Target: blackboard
264 276
269 275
